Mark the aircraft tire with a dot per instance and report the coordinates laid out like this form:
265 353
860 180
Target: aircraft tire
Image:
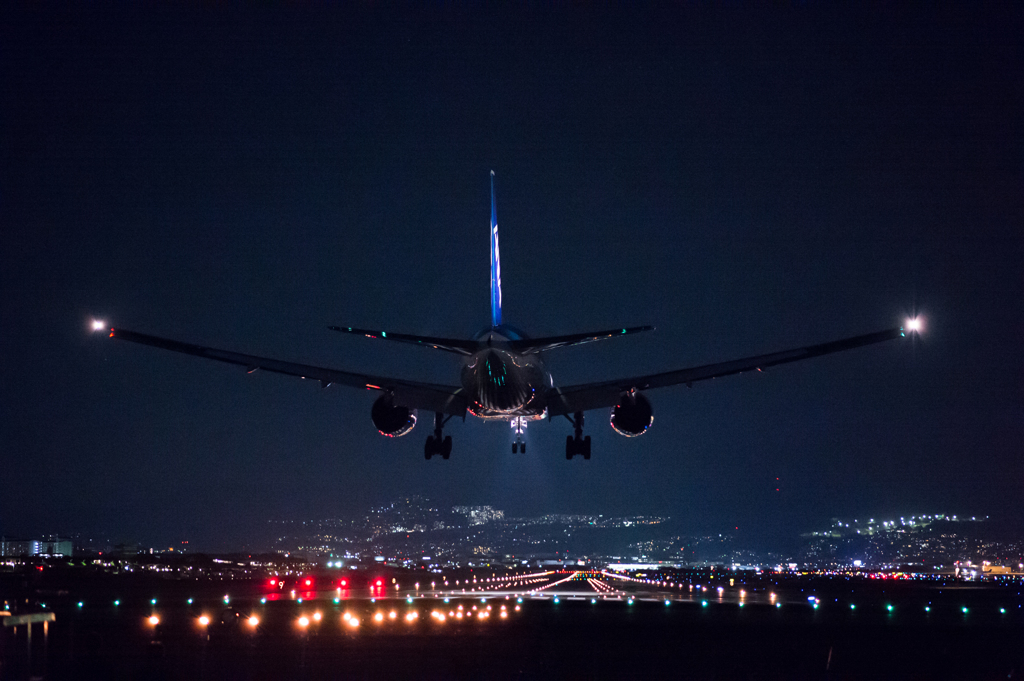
586 448
428 449
522 448
570 449
515 447
446 447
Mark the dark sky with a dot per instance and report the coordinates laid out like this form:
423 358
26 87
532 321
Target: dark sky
747 180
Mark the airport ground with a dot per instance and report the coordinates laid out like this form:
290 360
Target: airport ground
484 625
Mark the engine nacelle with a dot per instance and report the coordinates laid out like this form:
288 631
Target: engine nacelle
633 415
390 420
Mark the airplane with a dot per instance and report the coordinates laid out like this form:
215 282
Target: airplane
503 377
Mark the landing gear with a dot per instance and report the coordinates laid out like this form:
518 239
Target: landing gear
577 444
519 426
438 443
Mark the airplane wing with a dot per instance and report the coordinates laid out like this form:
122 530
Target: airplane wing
411 394
586 396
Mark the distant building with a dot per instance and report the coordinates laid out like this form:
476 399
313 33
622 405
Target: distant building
10 548
478 515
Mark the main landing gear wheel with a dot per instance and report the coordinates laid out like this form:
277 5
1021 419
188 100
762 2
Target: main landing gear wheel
577 444
438 443
515 447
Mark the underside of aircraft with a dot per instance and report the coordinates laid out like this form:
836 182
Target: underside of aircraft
503 376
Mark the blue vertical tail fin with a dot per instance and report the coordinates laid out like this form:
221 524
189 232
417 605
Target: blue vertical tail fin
495 263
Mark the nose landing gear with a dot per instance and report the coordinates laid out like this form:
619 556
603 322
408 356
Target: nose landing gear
519 425
577 444
438 443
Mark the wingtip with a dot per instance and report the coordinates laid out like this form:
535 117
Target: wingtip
492 173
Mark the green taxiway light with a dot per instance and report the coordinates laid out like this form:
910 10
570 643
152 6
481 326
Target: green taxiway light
852 606
927 608
889 608
80 604
152 601
117 603
190 601
263 600
703 604
964 609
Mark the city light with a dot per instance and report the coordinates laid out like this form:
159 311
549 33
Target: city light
203 620
153 620
253 621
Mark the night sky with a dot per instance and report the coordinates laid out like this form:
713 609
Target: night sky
746 180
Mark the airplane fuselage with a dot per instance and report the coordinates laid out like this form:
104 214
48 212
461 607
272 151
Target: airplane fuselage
502 384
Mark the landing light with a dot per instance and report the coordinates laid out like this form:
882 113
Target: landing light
98 325
916 325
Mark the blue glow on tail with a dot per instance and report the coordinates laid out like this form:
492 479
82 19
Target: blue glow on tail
495 263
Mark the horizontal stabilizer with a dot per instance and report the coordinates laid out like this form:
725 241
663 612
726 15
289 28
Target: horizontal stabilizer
462 347
528 346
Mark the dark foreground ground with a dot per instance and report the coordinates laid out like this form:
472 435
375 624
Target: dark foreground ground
569 639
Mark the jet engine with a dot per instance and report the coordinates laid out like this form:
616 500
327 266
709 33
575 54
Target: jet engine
633 415
391 420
